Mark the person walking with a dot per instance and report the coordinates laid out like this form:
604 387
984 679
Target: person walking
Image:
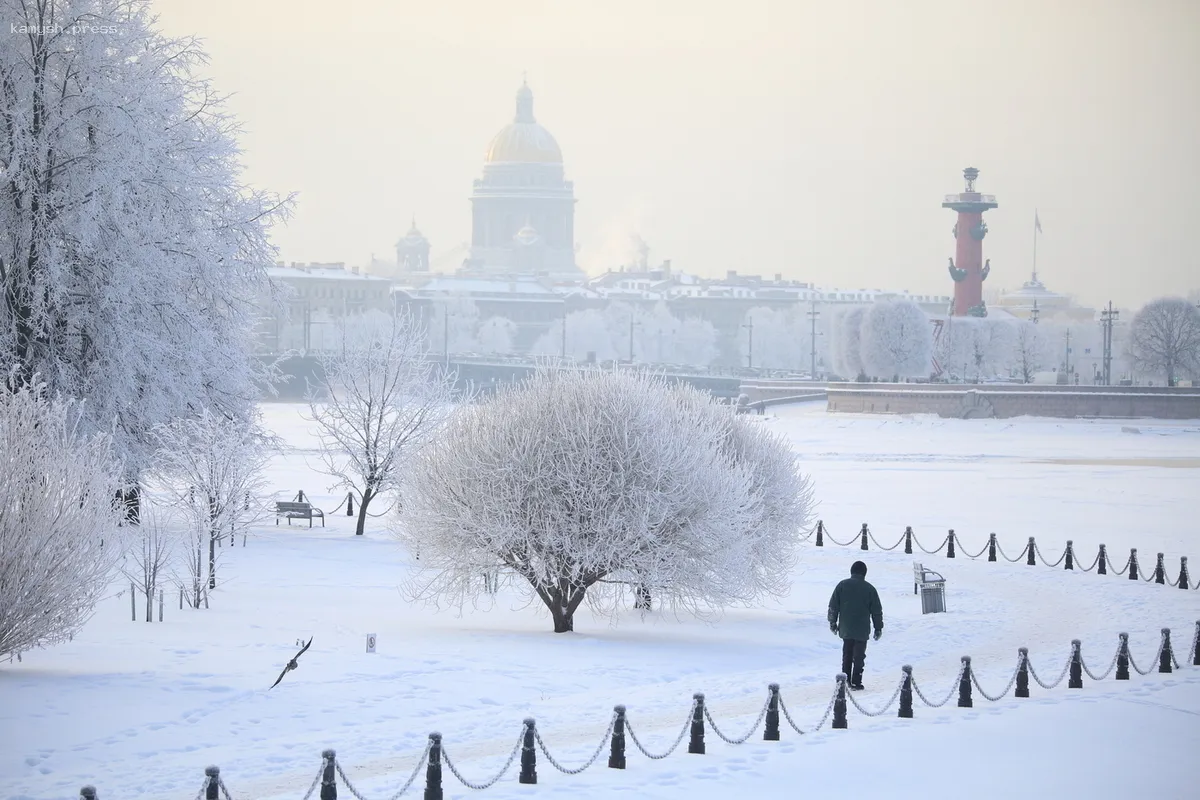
853 608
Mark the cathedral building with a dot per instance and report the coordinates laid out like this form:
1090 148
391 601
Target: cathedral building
522 208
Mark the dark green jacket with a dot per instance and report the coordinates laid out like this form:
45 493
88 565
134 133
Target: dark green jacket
854 606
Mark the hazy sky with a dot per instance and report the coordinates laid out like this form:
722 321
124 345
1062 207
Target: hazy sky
814 139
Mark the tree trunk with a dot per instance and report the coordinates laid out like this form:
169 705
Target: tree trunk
149 602
641 600
213 535
362 512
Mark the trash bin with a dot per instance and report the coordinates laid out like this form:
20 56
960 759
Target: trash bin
933 596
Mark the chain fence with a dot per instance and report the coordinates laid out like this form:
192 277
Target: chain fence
871 536
934 551
575 771
829 536
742 739
488 783
530 738
637 743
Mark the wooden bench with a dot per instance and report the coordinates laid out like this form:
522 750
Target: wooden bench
296 510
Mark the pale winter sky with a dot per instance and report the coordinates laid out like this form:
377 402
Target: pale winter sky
813 139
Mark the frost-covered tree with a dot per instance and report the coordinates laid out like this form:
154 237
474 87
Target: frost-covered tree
978 348
150 556
1165 338
212 469
781 339
896 340
588 331
496 335
579 482
1031 350
849 344
455 320
59 527
132 255
379 400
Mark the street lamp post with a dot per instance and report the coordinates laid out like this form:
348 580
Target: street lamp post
749 326
812 315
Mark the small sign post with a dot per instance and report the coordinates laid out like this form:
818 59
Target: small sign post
370 643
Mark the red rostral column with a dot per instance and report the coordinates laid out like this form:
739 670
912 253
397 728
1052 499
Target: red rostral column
967 268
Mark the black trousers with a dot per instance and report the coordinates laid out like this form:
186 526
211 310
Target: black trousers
854 654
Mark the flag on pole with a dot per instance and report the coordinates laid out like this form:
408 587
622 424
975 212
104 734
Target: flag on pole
1037 223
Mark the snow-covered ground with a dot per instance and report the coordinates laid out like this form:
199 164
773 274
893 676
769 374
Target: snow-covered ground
140 709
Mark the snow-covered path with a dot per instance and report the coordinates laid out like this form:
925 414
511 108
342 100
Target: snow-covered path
140 709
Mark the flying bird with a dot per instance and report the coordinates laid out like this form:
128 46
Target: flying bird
292 664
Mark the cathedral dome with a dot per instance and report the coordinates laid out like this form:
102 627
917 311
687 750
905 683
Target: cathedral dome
523 141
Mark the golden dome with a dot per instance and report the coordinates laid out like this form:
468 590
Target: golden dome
523 141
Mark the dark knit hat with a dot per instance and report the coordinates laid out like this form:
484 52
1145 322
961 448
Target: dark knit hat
858 568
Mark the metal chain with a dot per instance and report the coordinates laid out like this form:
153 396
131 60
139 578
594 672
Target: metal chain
1038 551
808 535
762 713
385 513
953 689
871 536
1125 568
936 550
886 706
511 756
224 791
346 781
1094 563
316 780
1049 686
795 727
977 555
339 508
1157 656
1107 672
1020 555
835 541
203 788
1011 681
1149 578
647 753
599 749
415 773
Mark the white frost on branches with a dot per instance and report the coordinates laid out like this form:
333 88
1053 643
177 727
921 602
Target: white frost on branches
211 468
1165 338
848 354
379 400
132 255
1032 350
578 482
59 530
896 340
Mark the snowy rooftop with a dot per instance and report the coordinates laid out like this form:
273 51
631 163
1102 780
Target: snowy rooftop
321 271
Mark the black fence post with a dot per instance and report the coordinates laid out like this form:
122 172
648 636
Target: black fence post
212 789
329 775
696 743
820 533
906 693
771 734
1101 562
1165 657
964 684
864 536
1159 571
349 504
1123 657
839 704
1069 556
616 754
528 754
1133 576
1075 681
1022 672
1196 646
908 540
433 768
992 547
87 793
1032 549
950 544
1183 574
